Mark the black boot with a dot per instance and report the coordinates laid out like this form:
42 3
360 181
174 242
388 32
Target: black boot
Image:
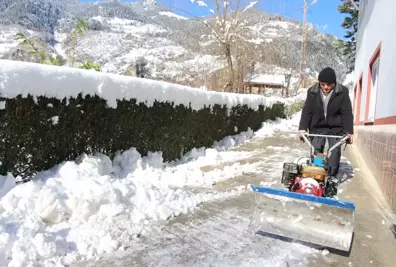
331 187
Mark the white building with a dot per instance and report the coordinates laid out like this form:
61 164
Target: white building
374 95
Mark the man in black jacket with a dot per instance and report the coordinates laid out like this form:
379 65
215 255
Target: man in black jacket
328 110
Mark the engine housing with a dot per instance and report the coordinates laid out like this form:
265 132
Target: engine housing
290 171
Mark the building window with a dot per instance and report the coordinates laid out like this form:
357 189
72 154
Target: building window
359 100
373 91
372 86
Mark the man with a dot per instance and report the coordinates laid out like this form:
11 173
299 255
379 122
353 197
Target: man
328 110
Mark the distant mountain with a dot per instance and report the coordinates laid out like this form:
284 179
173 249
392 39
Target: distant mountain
176 49
40 15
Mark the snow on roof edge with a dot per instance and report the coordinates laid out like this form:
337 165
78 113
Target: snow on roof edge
17 77
270 79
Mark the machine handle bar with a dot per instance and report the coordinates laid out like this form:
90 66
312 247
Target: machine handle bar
339 143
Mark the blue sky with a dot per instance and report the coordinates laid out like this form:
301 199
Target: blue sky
323 14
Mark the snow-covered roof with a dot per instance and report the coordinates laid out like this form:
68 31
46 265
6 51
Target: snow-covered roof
268 79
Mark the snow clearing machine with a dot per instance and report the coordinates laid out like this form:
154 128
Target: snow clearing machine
302 211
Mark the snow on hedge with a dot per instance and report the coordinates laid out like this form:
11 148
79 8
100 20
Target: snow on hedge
84 208
53 81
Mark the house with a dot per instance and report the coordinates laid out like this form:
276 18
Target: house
374 92
260 82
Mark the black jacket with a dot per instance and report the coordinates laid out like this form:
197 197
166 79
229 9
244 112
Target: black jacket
339 111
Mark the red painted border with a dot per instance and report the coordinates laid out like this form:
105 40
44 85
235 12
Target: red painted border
386 120
380 121
354 97
373 58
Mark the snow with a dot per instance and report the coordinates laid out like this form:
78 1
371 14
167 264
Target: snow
260 40
325 252
283 24
6 184
121 41
55 120
256 41
156 54
60 82
271 79
129 26
349 82
349 79
60 38
171 14
207 43
7 39
273 29
203 64
81 209
90 206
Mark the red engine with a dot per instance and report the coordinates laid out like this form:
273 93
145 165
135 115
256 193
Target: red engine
307 186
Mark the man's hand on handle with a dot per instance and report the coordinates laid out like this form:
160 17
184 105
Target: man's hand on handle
350 140
301 133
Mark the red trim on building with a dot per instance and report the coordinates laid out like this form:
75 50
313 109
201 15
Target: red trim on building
373 58
380 121
386 120
354 97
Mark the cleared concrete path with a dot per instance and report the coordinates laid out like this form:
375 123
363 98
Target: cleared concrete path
218 233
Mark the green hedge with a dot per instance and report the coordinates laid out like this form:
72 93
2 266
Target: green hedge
30 142
296 107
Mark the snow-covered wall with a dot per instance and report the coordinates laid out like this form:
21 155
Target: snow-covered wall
377 28
59 82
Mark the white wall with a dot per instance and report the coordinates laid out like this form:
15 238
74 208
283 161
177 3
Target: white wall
376 26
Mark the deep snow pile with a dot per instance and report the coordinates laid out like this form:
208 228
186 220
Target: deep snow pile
79 210
59 82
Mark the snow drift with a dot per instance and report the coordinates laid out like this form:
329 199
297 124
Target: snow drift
84 208
81 209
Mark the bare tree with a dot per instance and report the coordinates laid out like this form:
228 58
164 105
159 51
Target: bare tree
226 25
246 58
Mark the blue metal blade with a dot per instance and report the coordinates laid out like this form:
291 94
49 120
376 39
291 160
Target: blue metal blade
305 197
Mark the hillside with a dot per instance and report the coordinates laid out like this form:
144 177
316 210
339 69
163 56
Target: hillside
177 49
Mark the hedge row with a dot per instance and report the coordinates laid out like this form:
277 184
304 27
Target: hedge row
37 134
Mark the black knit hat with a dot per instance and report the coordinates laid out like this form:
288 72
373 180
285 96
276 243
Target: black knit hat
327 75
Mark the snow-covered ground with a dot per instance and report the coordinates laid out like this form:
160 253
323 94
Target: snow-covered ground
7 39
84 208
81 209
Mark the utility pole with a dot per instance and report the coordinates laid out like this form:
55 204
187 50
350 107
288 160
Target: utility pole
303 46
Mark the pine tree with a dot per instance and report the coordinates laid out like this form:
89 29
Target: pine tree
350 23
142 71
